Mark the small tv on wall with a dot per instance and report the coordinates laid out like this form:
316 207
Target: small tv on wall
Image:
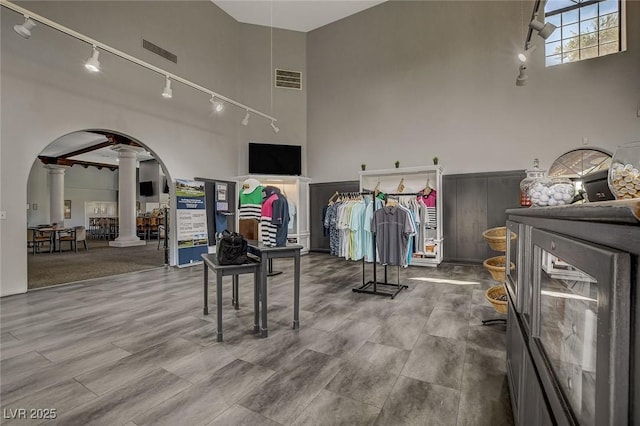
270 159
146 188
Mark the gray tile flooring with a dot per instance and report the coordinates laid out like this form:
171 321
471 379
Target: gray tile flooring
136 349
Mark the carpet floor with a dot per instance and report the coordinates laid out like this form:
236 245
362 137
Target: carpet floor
100 260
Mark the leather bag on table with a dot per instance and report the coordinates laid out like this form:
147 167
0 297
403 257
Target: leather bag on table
231 249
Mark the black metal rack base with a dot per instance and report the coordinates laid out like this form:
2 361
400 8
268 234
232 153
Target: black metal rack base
270 271
494 321
365 289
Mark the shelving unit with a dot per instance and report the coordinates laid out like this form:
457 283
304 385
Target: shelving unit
296 190
413 179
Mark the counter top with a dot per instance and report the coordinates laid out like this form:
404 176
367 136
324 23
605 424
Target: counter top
618 211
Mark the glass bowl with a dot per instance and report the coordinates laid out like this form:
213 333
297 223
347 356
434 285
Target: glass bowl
624 173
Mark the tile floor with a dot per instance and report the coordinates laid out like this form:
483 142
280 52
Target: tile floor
136 349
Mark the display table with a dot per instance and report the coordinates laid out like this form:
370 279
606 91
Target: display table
210 261
265 254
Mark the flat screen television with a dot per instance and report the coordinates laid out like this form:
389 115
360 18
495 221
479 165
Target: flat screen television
270 159
146 188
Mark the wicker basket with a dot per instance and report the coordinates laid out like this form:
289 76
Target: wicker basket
497 238
497 267
492 295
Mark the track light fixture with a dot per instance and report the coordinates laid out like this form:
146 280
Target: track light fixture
245 120
275 128
167 93
522 78
526 55
93 64
217 105
25 29
544 30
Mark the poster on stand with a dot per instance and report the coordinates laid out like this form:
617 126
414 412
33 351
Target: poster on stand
191 222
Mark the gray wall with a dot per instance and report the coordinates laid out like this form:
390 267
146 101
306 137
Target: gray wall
410 80
46 93
290 106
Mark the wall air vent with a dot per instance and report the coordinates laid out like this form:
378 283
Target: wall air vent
289 79
159 51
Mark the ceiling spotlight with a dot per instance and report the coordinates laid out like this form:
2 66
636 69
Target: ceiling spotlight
217 105
526 55
521 80
245 120
275 128
25 29
93 64
167 93
544 30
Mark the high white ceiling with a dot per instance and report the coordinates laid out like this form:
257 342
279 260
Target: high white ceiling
296 15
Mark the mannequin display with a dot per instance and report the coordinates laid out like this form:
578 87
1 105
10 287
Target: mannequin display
274 219
249 208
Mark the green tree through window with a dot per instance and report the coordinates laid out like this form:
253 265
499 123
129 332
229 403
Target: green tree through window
585 29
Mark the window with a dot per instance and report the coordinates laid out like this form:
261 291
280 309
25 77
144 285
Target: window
585 29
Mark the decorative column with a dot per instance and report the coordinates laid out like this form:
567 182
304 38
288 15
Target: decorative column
127 236
56 193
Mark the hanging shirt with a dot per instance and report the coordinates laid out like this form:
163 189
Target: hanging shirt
292 217
280 218
392 227
356 227
250 205
267 229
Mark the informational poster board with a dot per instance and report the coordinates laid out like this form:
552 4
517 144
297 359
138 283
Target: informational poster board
191 222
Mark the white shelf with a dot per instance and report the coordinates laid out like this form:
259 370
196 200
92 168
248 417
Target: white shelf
414 179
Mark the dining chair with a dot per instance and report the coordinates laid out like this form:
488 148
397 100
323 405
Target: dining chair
81 235
35 240
70 236
162 234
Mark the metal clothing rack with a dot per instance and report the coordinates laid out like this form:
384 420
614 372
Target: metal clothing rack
371 287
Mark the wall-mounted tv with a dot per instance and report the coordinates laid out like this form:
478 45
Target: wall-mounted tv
270 159
146 188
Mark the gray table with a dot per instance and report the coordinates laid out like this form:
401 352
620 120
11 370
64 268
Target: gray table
211 262
265 254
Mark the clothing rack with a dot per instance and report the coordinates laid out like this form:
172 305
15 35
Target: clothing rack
371 287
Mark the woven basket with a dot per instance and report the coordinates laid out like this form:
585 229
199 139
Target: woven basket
492 295
497 238
497 267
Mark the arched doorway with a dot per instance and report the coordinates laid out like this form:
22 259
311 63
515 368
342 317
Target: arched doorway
85 165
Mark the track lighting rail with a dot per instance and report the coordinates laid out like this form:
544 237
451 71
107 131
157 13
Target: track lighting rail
35 17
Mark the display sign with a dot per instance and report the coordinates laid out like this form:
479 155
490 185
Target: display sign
191 222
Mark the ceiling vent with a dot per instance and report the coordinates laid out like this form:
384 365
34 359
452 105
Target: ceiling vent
159 51
289 79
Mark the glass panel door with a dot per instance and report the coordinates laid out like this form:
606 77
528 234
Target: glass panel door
580 328
512 259
568 331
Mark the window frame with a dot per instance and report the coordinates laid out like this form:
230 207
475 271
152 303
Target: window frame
622 31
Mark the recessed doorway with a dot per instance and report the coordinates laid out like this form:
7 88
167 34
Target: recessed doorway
78 246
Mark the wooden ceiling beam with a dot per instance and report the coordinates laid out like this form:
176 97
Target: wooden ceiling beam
68 162
87 149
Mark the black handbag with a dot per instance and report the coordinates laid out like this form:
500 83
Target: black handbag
231 249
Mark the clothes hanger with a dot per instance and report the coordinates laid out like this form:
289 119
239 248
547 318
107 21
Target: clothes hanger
330 202
427 188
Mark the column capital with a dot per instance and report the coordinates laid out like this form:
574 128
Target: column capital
122 148
56 168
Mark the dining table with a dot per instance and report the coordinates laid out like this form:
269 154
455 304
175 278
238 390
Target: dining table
55 232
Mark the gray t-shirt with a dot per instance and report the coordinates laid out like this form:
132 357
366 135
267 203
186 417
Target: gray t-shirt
392 227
